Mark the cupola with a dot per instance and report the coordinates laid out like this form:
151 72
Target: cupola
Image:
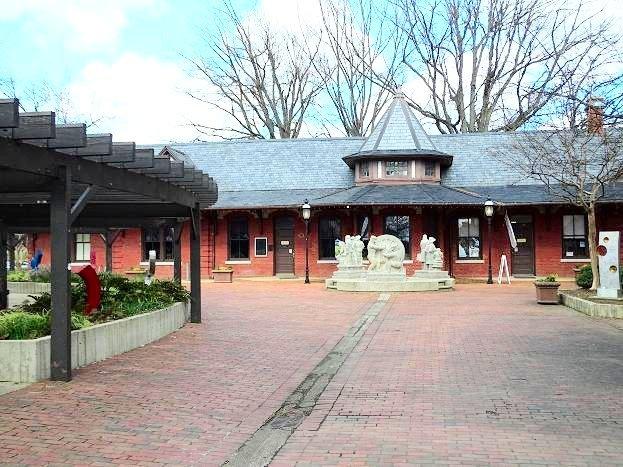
398 151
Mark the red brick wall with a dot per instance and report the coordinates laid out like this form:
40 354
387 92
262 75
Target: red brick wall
214 250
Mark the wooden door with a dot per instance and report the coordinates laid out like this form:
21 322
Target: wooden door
284 245
523 258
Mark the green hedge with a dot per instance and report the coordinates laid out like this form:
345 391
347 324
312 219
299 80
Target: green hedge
121 298
585 277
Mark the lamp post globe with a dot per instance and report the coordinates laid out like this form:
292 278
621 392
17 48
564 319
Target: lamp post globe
306 214
489 210
306 210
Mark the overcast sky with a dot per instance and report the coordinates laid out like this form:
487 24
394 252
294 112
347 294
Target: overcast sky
121 59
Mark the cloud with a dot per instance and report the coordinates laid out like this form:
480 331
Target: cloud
142 99
80 24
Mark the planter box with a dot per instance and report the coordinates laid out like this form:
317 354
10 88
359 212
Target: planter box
29 287
601 310
223 276
24 361
547 293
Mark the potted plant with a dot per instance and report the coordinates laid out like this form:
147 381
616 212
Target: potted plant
223 274
547 290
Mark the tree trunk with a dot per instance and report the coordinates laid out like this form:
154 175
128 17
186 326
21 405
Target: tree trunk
592 245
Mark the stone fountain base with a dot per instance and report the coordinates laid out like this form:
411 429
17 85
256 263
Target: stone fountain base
421 281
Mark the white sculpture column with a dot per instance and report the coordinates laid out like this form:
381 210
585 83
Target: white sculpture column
609 267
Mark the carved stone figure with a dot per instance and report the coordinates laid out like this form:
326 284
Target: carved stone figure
349 252
430 256
386 254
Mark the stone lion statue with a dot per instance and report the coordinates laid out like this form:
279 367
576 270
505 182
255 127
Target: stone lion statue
386 254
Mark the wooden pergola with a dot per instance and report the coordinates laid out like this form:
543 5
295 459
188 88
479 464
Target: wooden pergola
58 179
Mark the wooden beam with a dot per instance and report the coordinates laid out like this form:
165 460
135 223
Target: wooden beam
42 161
4 287
86 196
121 152
109 240
189 176
177 252
60 337
143 159
32 125
96 145
176 171
195 265
9 113
67 136
161 166
98 210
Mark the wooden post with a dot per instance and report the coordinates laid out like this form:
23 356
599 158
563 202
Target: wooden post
195 265
177 252
12 244
108 240
4 289
60 206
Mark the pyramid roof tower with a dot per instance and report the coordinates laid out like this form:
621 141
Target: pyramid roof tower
398 133
398 129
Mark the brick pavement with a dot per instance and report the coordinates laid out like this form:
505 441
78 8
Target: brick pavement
190 398
479 376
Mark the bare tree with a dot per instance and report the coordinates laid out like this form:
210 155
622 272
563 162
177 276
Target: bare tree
265 82
494 65
360 61
39 96
579 158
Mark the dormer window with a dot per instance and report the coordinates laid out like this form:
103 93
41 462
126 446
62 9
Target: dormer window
364 169
397 168
429 168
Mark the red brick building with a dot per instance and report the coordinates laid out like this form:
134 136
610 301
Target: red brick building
399 180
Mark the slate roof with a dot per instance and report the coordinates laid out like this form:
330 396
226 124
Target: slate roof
398 129
421 194
274 164
281 173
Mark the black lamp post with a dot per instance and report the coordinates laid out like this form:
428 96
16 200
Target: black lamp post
306 212
489 216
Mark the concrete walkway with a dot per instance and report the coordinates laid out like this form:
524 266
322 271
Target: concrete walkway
481 375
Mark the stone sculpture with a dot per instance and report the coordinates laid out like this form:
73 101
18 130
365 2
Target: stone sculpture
386 254
386 272
349 252
608 250
349 258
430 256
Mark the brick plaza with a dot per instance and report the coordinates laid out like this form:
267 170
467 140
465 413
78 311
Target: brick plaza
481 375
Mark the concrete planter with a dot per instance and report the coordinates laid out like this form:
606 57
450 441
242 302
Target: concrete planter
547 292
29 287
601 310
24 361
223 276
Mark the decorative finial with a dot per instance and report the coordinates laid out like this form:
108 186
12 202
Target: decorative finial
398 94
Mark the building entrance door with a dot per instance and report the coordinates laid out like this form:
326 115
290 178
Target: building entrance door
284 245
523 259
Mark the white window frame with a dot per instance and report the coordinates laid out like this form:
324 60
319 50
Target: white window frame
399 163
255 247
82 244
